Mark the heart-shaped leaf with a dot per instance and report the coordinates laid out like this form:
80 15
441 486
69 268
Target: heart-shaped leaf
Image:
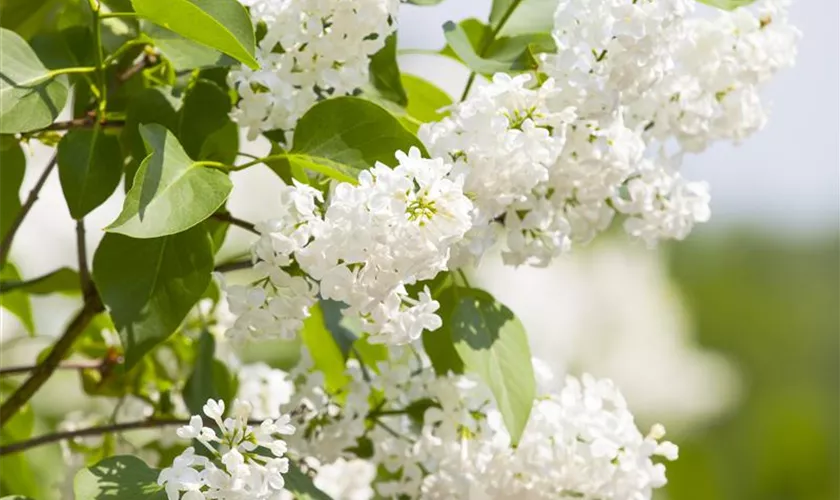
171 193
90 166
30 97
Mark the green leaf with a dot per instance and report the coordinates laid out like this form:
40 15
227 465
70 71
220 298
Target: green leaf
123 477
204 125
424 99
12 169
183 53
301 485
220 24
385 73
325 352
17 474
335 322
341 137
461 43
27 17
170 193
493 344
439 344
17 302
30 98
90 167
149 106
149 285
530 16
476 32
727 4
64 280
210 378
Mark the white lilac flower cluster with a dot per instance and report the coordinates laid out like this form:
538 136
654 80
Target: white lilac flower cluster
312 49
362 248
247 462
442 437
633 86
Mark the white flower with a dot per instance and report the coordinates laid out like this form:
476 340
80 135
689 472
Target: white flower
346 479
236 469
326 47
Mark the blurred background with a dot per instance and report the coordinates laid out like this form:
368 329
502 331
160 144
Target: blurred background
730 338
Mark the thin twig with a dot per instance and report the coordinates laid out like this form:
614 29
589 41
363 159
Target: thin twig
226 217
90 431
45 369
84 122
84 273
97 431
69 365
146 61
236 265
6 245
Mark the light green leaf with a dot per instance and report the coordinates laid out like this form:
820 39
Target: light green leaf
204 125
12 169
460 42
183 53
385 73
149 285
89 167
17 473
530 16
64 280
210 378
123 477
727 4
170 193
424 99
301 485
326 354
30 98
341 137
16 302
220 24
492 343
149 106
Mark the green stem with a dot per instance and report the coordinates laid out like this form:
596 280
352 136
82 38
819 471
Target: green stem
98 51
65 71
261 160
122 50
216 164
487 41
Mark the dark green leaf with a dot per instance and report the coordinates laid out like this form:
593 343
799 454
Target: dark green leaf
220 24
27 17
333 319
64 280
301 485
326 354
385 73
210 378
150 106
30 98
341 137
727 4
424 99
90 167
493 344
204 126
16 302
12 169
170 193
183 53
439 344
123 477
150 285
